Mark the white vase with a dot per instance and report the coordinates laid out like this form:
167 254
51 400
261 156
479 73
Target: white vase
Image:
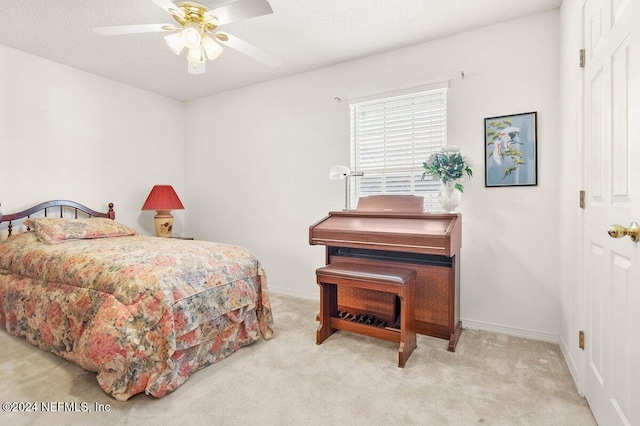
449 196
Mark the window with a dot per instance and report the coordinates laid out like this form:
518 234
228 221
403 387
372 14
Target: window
391 136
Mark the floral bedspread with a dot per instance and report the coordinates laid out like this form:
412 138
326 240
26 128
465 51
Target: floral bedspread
143 312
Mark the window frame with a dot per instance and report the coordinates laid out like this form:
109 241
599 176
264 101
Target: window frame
417 101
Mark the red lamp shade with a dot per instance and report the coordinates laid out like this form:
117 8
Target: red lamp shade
162 197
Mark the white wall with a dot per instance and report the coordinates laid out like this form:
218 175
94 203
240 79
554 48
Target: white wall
257 162
67 134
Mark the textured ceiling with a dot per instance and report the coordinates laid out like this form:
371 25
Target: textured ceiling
307 35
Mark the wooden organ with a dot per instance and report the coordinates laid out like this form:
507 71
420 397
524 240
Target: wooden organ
393 231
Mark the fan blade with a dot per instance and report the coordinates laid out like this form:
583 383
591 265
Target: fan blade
170 7
248 49
239 10
134 29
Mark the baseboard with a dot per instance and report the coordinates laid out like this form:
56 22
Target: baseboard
573 369
296 293
470 324
510 331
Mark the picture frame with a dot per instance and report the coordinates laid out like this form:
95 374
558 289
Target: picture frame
511 150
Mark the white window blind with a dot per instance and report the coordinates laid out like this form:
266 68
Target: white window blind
391 137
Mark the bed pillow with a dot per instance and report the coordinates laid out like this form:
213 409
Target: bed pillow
58 230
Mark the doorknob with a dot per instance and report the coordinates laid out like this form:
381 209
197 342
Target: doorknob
619 231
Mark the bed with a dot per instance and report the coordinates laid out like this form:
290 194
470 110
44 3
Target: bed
142 312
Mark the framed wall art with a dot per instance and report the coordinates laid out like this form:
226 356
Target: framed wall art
511 146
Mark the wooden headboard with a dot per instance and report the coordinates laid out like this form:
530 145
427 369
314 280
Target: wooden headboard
60 206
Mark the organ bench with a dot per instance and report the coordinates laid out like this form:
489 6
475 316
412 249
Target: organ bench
396 281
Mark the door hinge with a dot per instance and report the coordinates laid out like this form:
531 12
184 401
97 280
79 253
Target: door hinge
581 339
582 58
582 196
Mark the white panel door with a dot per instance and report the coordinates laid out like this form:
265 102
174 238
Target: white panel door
611 171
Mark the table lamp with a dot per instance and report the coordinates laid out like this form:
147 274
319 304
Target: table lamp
343 172
163 199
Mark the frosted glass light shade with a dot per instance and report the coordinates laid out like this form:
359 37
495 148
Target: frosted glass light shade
175 42
191 35
212 49
196 54
338 172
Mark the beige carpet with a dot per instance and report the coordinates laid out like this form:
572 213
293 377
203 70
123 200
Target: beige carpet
492 379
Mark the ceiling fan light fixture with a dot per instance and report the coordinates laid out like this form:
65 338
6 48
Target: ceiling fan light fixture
211 48
196 54
174 41
191 35
196 29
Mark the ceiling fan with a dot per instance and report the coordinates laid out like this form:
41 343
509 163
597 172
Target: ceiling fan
196 30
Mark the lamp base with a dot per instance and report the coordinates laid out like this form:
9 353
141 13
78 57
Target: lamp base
164 223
